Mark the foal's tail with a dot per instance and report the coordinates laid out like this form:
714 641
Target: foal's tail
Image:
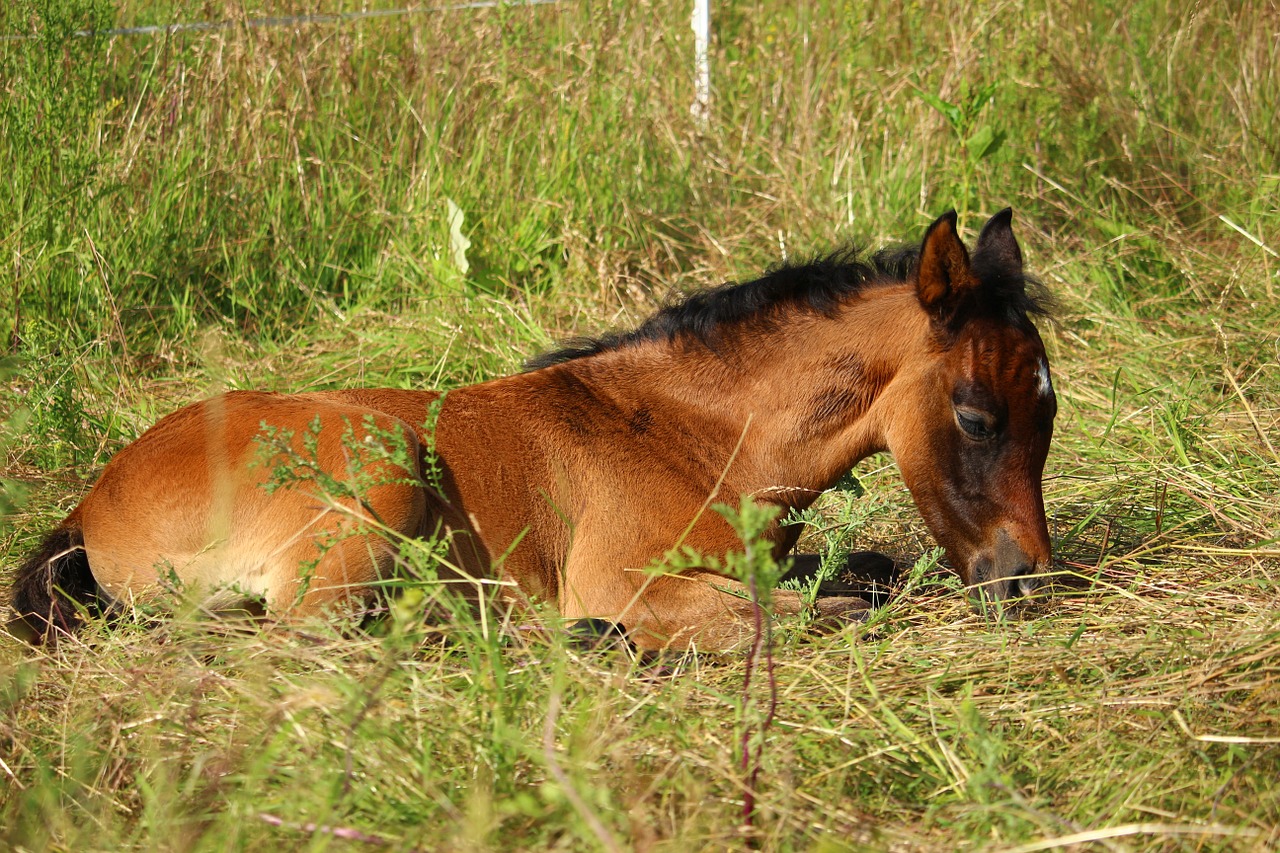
54 588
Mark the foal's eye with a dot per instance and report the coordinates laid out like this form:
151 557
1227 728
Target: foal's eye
977 426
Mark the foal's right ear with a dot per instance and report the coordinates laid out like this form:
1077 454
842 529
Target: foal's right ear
944 279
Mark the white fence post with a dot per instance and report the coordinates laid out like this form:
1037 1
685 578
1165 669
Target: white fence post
701 107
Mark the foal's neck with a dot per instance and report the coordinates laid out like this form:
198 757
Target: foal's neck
825 386
792 399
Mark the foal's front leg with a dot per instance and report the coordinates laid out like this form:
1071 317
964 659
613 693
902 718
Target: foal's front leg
712 612
692 609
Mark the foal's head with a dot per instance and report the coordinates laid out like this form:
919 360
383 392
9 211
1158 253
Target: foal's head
972 428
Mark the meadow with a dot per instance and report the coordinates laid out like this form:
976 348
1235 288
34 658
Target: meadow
427 200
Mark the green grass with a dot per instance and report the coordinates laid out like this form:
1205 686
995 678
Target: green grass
271 208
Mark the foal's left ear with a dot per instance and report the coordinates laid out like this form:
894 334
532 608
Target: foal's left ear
945 280
997 251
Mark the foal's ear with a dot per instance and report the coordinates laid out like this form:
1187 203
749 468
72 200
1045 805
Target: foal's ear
997 250
944 280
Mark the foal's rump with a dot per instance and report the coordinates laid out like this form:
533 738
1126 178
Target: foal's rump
284 500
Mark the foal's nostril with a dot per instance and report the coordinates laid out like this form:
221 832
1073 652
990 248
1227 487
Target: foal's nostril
1028 581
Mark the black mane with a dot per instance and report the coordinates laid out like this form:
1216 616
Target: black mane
819 285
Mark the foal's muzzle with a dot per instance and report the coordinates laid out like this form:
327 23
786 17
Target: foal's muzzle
989 586
1006 573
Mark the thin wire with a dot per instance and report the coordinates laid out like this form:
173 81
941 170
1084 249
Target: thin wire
304 20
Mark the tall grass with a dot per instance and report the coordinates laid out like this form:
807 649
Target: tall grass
277 207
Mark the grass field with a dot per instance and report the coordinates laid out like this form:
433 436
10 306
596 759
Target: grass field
286 208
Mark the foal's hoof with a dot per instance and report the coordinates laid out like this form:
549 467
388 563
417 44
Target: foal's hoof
865 574
592 634
835 613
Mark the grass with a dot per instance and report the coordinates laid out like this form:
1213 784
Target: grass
274 208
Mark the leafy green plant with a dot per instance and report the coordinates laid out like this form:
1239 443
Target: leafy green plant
976 131
755 567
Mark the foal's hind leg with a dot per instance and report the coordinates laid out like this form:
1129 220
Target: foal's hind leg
338 560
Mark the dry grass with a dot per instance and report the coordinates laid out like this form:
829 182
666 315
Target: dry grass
267 208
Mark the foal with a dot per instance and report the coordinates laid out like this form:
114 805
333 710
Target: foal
563 483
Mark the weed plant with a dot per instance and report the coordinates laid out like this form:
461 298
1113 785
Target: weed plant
426 200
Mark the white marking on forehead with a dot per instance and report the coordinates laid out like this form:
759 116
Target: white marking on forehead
1042 373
